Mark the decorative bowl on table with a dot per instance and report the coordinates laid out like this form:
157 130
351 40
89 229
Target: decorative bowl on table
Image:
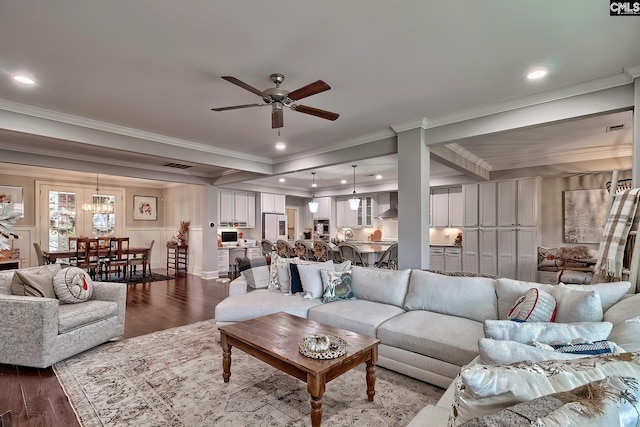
322 346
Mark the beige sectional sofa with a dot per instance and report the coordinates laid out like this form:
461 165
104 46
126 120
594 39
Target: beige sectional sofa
429 324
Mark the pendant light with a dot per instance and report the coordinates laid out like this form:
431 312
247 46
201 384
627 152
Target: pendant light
313 205
354 203
99 204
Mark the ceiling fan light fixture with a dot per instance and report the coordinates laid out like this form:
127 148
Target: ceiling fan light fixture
354 202
313 205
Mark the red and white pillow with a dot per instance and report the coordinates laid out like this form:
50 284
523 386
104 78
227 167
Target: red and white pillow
534 306
72 285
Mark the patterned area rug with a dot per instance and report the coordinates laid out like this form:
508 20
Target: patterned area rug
136 278
174 378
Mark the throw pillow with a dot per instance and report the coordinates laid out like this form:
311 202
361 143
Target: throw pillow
342 266
255 271
484 389
548 257
72 285
295 281
588 348
610 293
546 333
508 290
6 276
33 284
625 309
337 285
534 306
577 306
280 273
626 334
310 278
494 352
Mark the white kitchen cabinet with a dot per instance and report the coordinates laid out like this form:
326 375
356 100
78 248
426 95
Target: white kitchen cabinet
528 202
507 253
470 205
223 261
453 259
324 208
527 259
470 246
366 211
506 203
488 252
487 192
455 207
440 207
237 209
273 203
253 251
436 258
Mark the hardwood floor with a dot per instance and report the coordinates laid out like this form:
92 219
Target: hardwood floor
35 397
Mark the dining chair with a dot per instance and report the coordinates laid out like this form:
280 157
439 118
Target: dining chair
267 247
118 257
144 260
389 258
284 249
302 250
349 252
87 255
42 260
322 251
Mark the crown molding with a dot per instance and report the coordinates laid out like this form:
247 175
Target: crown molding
469 156
411 124
633 72
42 113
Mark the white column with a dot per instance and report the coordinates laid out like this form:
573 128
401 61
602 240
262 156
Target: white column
210 233
413 199
635 160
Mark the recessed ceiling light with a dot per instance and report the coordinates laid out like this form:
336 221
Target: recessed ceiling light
378 176
24 79
344 181
280 145
281 180
537 73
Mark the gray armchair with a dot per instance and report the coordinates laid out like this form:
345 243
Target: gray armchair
39 332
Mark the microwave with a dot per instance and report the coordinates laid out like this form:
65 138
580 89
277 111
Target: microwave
229 236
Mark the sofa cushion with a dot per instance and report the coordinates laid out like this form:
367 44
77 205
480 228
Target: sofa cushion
625 309
74 316
534 306
546 332
509 290
577 305
449 338
626 334
311 279
255 270
73 285
609 293
33 283
261 302
380 285
360 316
336 285
6 276
469 297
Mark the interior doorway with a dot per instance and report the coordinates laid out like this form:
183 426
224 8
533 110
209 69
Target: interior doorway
292 223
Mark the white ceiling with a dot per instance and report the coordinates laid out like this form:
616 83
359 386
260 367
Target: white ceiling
156 67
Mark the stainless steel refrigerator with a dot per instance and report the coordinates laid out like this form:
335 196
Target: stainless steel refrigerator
274 226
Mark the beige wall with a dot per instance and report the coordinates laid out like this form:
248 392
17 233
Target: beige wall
552 227
28 187
148 192
183 203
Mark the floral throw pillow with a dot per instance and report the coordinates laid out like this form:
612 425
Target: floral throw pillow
336 285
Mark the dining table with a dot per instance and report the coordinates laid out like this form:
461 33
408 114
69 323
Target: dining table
53 256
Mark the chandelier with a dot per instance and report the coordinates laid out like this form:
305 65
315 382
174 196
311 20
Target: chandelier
313 205
354 203
99 204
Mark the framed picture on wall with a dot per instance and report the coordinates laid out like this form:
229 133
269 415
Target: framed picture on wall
585 214
145 208
14 196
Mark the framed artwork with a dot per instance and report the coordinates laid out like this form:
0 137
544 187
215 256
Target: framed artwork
12 195
585 214
145 208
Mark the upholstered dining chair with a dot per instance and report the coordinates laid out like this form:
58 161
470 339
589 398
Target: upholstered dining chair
284 249
352 253
389 258
302 250
322 251
41 258
267 247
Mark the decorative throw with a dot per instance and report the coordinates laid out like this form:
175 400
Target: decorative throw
73 284
255 270
614 239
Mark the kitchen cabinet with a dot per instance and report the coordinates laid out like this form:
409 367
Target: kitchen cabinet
273 203
527 250
324 208
366 211
440 207
488 252
470 245
436 258
507 251
506 201
237 209
223 261
253 251
487 211
455 207
445 258
470 205
528 201
363 217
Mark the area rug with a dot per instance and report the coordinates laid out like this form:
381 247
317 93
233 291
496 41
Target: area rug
137 278
174 378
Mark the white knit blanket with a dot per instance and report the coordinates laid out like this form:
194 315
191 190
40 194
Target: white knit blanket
614 238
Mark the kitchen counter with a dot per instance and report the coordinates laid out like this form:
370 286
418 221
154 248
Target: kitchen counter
444 245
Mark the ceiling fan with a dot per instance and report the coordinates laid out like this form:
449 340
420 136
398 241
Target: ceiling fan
279 98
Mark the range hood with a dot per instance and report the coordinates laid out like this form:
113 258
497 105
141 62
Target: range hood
392 212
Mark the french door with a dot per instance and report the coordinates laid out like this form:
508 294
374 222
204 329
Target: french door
60 213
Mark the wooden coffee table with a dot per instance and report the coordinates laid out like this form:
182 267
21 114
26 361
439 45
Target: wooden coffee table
274 340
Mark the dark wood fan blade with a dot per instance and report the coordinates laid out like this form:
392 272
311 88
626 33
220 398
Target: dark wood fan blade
235 107
308 90
243 85
277 118
315 112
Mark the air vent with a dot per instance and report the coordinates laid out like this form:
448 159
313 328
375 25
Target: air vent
176 165
616 127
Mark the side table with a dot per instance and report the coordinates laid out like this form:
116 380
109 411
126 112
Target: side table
177 258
